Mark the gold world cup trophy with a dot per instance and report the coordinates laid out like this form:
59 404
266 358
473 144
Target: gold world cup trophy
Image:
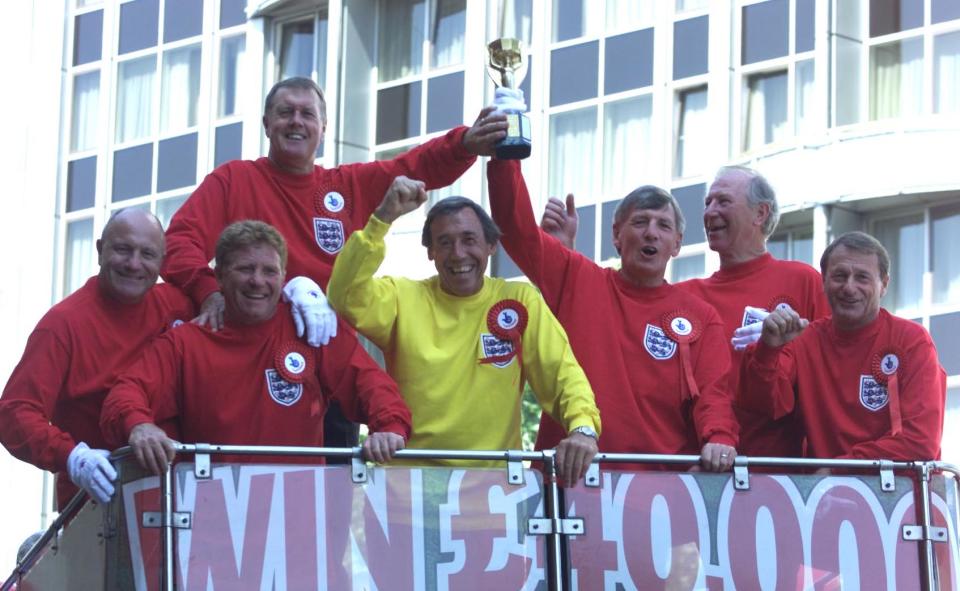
507 69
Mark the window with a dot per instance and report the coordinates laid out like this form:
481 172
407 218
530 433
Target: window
946 81
151 157
687 267
691 132
765 118
896 79
419 42
792 245
626 123
904 239
944 263
573 153
778 71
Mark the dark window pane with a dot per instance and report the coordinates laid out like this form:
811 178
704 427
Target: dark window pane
81 183
690 47
132 172
945 330
890 16
138 25
573 73
690 199
629 61
765 31
444 102
607 249
568 19
87 37
182 19
232 13
398 112
806 18
944 10
228 142
585 231
177 162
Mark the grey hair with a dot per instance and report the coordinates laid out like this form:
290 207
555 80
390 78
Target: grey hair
648 197
858 242
758 191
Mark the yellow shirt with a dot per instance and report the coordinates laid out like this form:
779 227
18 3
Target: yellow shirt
433 343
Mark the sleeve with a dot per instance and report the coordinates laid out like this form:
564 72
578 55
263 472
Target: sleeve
713 415
368 304
541 257
767 378
554 374
923 392
438 163
29 400
365 392
817 300
192 238
146 393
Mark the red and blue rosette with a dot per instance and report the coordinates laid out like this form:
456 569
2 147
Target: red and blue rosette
779 301
683 329
329 201
292 360
507 320
885 366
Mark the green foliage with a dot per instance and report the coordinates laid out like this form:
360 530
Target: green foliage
529 417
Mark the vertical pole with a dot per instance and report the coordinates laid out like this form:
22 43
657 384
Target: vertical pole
926 549
166 520
552 506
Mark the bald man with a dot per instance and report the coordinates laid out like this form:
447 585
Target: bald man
50 407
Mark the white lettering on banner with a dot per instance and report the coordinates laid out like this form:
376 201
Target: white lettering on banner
767 538
296 527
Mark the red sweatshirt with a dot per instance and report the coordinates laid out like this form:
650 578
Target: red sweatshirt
617 331
829 377
314 212
764 282
52 400
228 387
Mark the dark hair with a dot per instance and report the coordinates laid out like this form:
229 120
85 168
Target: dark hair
758 191
450 206
247 233
648 197
858 242
301 83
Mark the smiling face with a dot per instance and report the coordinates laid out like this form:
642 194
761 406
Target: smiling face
130 254
251 282
646 240
733 226
854 286
459 251
295 124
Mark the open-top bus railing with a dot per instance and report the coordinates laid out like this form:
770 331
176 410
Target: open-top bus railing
619 529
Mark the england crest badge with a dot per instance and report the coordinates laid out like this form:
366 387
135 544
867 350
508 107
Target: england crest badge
329 234
282 391
498 352
657 344
873 395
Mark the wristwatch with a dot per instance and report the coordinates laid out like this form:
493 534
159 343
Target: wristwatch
585 430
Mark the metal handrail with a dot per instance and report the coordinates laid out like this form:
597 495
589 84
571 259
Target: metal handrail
923 469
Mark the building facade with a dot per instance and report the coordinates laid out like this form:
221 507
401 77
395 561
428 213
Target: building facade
850 107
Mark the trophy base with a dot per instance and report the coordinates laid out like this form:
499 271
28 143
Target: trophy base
516 146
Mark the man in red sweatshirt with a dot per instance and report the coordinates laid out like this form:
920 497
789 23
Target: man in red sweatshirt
252 382
655 355
50 409
314 208
866 384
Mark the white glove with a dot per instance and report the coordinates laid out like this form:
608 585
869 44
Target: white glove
508 99
310 309
745 336
92 471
